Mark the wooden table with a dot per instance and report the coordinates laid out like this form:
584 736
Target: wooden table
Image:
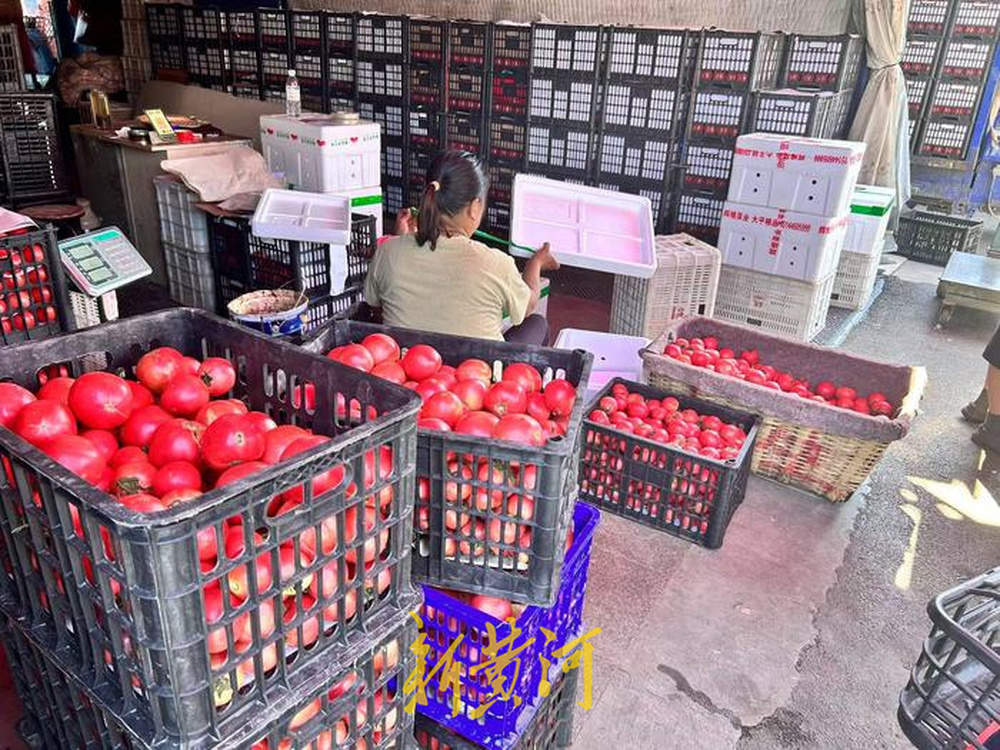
969 281
116 174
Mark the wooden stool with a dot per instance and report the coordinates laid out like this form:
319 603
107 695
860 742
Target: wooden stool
63 217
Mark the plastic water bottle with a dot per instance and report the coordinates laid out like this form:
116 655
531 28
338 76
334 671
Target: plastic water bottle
293 96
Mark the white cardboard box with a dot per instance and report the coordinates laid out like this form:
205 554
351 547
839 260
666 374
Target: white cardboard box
781 243
810 175
322 153
871 207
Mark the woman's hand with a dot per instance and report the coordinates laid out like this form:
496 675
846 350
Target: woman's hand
406 222
546 261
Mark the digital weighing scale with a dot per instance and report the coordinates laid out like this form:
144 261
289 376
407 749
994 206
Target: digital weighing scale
102 261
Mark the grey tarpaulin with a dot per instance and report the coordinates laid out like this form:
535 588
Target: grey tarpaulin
882 117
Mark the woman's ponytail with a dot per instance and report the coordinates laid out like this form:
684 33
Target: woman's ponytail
454 180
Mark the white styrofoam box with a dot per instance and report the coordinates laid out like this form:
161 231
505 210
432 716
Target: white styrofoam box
181 224
307 217
586 227
811 175
322 153
368 202
542 308
781 243
615 356
871 207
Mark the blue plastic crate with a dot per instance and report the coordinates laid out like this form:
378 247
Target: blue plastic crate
445 617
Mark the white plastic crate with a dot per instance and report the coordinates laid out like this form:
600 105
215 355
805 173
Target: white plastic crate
586 226
190 277
796 309
871 207
685 281
181 224
615 356
810 175
306 217
854 280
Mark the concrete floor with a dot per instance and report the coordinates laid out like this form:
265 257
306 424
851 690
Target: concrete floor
799 632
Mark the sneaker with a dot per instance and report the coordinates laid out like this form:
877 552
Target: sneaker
988 434
975 411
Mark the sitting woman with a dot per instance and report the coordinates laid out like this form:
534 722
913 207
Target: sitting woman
439 279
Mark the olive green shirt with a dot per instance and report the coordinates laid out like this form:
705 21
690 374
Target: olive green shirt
463 287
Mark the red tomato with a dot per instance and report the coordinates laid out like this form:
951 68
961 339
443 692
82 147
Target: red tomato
493 606
356 356
141 395
104 440
560 396
471 392
710 439
12 399
158 367
185 395
474 369
382 347
231 439
278 439
429 387
599 416
750 355
43 420
519 428
445 406
433 423
100 400
125 455
882 407
142 424
711 423
77 454
505 398
673 351
876 397
133 478
189 366
637 410
177 496
261 421
176 440
390 370
700 359
143 503
238 471
218 374
215 409
537 407
731 434
844 393
176 475
321 483
524 375
861 405
479 423
310 402
421 361
57 389
446 374
608 404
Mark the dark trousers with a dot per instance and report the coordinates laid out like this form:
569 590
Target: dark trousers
992 353
534 330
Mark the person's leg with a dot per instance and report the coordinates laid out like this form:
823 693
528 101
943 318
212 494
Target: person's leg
534 330
988 435
975 411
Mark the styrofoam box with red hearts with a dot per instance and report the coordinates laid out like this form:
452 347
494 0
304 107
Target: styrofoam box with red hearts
810 175
783 243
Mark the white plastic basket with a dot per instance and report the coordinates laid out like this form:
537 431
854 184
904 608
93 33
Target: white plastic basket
788 307
614 356
181 224
686 277
854 280
190 277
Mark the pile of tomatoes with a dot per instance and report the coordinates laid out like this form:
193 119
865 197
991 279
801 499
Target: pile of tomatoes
27 300
464 399
706 352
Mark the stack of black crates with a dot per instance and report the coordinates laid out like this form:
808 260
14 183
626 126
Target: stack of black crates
205 59
31 152
426 77
948 55
467 86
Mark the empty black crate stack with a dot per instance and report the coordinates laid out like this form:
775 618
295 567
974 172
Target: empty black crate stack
308 43
166 50
428 41
644 111
340 82
205 48
33 166
467 86
275 52
244 53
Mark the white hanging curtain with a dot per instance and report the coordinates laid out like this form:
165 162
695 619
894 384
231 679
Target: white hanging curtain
882 120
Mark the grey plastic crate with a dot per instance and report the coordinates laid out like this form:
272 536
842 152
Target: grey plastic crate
189 275
789 112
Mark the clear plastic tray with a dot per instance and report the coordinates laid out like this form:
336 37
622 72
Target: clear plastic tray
307 217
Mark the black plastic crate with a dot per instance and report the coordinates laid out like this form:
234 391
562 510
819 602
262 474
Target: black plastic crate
645 105
207 66
35 303
418 162
34 168
426 86
699 213
389 112
559 149
27 111
945 137
244 68
466 133
562 99
659 198
839 117
307 33
955 99
244 30
828 63
976 18
511 46
928 17
920 55
425 131
498 217
382 37
381 78
643 155
661 54
509 93
918 89
787 112
166 55
932 237
119 595
529 577
340 34
309 70
469 43
467 89
393 159
508 139
204 25
275 29
274 65
163 21
428 40
340 81
718 115
966 58
501 176
564 48
661 486
325 310
951 699
739 59
707 168
394 194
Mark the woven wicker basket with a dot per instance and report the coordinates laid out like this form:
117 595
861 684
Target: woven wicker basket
825 451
